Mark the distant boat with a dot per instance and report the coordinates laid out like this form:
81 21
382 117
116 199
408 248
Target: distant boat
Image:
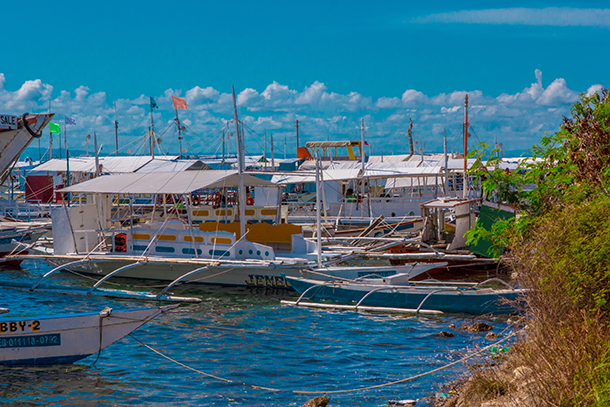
67 338
398 292
14 238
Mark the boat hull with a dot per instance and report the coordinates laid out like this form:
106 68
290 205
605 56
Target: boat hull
470 301
66 339
247 275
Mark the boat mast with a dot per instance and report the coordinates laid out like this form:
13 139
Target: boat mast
446 163
410 133
297 135
152 128
318 215
50 137
465 181
272 155
97 158
223 149
240 171
362 162
116 132
179 134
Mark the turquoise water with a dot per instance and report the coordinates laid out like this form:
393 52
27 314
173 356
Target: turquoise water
247 337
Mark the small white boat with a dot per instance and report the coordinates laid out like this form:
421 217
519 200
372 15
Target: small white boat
67 338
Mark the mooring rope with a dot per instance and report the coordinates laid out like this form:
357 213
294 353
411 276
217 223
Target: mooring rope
313 338
461 360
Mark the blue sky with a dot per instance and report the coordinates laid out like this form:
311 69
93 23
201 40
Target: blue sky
327 63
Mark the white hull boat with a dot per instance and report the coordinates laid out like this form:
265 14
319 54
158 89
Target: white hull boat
67 338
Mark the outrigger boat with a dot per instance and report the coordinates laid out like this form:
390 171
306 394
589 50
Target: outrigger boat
86 240
65 339
398 292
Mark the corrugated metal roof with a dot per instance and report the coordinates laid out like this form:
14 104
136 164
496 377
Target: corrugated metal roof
162 165
181 182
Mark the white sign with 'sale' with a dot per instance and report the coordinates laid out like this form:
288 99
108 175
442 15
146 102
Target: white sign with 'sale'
8 122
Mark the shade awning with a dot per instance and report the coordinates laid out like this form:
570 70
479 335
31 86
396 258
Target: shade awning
177 182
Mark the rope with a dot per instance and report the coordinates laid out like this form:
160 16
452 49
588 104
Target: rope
384 345
335 391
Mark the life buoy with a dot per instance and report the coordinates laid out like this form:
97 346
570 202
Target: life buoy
120 243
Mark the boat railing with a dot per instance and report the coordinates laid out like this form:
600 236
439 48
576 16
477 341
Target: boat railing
430 294
374 290
496 280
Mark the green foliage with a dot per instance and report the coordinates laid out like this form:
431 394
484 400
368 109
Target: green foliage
560 246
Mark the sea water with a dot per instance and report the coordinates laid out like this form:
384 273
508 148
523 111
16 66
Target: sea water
240 347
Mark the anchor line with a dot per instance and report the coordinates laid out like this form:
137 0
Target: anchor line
406 379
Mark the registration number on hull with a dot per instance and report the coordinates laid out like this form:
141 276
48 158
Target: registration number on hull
257 280
30 341
19 326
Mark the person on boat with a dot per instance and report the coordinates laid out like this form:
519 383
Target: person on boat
349 196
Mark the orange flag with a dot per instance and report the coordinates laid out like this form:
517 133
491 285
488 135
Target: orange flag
178 103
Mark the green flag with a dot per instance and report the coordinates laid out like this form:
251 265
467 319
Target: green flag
54 128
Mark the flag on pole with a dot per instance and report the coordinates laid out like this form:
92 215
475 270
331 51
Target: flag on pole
54 128
69 120
178 103
153 104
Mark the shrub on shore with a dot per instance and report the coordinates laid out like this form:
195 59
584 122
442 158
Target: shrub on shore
560 249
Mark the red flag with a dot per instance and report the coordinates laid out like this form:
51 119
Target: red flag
178 103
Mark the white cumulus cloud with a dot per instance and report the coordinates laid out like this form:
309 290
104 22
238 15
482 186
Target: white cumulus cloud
518 120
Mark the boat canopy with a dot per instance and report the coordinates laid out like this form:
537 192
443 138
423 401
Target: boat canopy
120 164
176 182
309 177
344 172
327 144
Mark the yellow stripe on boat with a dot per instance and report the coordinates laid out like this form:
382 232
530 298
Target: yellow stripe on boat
170 238
198 239
141 236
221 240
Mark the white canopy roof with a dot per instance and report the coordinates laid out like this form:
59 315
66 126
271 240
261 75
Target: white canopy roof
177 182
298 177
113 165
164 165
349 171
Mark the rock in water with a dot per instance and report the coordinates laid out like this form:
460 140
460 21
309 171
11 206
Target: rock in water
445 334
477 327
320 401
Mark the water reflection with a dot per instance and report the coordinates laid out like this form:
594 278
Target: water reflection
69 385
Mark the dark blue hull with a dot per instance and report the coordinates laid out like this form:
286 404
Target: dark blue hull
466 300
